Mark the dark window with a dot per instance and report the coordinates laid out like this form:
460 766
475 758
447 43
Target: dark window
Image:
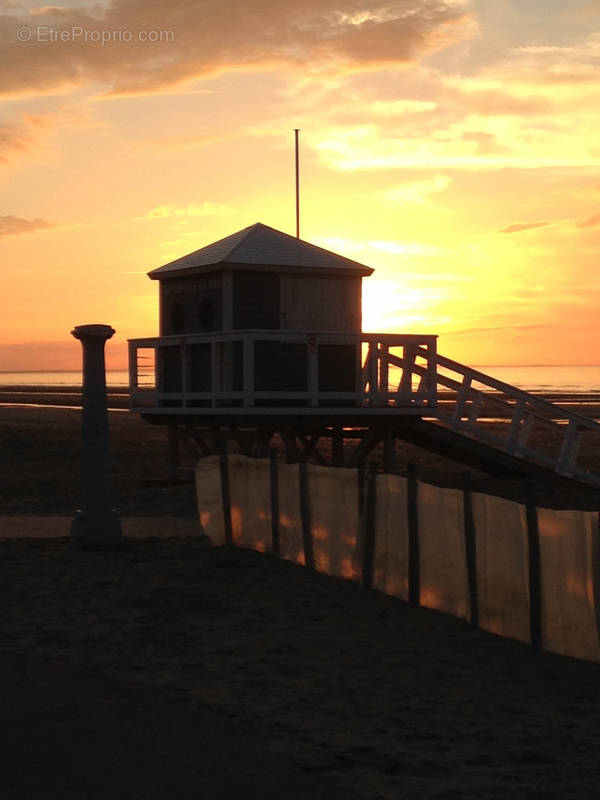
337 368
207 314
177 318
256 300
280 367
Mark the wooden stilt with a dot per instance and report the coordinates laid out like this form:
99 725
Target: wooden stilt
414 584
369 527
535 577
470 550
274 476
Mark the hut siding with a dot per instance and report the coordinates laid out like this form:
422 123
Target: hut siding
314 303
191 304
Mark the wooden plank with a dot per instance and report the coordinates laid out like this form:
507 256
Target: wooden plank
274 476
535 576
361 486
389 451
305 514
369 527
133 366
370 441
173 450
226 495
248 371
337 447
311 449
470 549
414 583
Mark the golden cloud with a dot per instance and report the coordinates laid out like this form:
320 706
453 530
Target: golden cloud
194 40
10 226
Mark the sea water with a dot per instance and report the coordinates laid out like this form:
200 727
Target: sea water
555 379
116 377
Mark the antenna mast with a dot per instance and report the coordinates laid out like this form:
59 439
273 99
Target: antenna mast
296 131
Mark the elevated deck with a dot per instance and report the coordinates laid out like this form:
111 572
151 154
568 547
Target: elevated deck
354 385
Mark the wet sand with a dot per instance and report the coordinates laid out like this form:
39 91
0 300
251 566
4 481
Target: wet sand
359 693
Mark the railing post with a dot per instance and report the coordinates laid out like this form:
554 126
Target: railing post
461 401
432 377
569 449
213 372
248 382
372 369
159 367
313 372
514 432
408 361
133 372
384 379
185 372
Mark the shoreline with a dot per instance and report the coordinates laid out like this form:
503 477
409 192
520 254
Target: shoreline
586 403
40 456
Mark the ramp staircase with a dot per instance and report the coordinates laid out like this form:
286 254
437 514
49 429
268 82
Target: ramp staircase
501 422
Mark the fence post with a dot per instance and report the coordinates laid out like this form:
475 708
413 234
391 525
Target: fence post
274 474
596 571
414 587
389 450
535 582
470 549
369 527
309 560
225 493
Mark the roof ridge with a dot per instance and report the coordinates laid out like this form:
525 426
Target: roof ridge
249 229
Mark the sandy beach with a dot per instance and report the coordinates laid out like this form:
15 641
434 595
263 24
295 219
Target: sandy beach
349 693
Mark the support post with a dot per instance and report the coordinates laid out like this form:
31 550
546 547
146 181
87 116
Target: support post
225 493
389 451
535 582
173 451
596 572
414 582
337 447
274 475
96 523
309 560
470 549
369 512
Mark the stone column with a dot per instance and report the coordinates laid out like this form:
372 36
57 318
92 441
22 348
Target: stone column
96 523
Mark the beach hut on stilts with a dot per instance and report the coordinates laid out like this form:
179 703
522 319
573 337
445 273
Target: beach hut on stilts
261 342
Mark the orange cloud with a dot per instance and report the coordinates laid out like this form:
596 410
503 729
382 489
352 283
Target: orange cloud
590 222
523 226
9 225
195 40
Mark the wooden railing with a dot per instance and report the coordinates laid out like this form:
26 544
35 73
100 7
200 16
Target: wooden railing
471 402
299 373
292 371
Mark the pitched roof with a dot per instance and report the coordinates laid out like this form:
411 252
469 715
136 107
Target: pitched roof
260 245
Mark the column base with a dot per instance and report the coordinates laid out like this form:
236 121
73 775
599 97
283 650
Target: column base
96 530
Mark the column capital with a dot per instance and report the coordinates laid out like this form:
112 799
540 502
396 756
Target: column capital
95 331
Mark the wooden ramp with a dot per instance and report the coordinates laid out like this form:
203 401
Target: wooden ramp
488 422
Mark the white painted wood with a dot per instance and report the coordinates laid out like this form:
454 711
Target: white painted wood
376 393
313 303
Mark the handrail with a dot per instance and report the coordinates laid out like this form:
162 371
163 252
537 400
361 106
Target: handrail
393 374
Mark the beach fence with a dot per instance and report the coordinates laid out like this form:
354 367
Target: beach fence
516 570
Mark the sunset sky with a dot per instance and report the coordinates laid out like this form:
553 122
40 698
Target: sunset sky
453 145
